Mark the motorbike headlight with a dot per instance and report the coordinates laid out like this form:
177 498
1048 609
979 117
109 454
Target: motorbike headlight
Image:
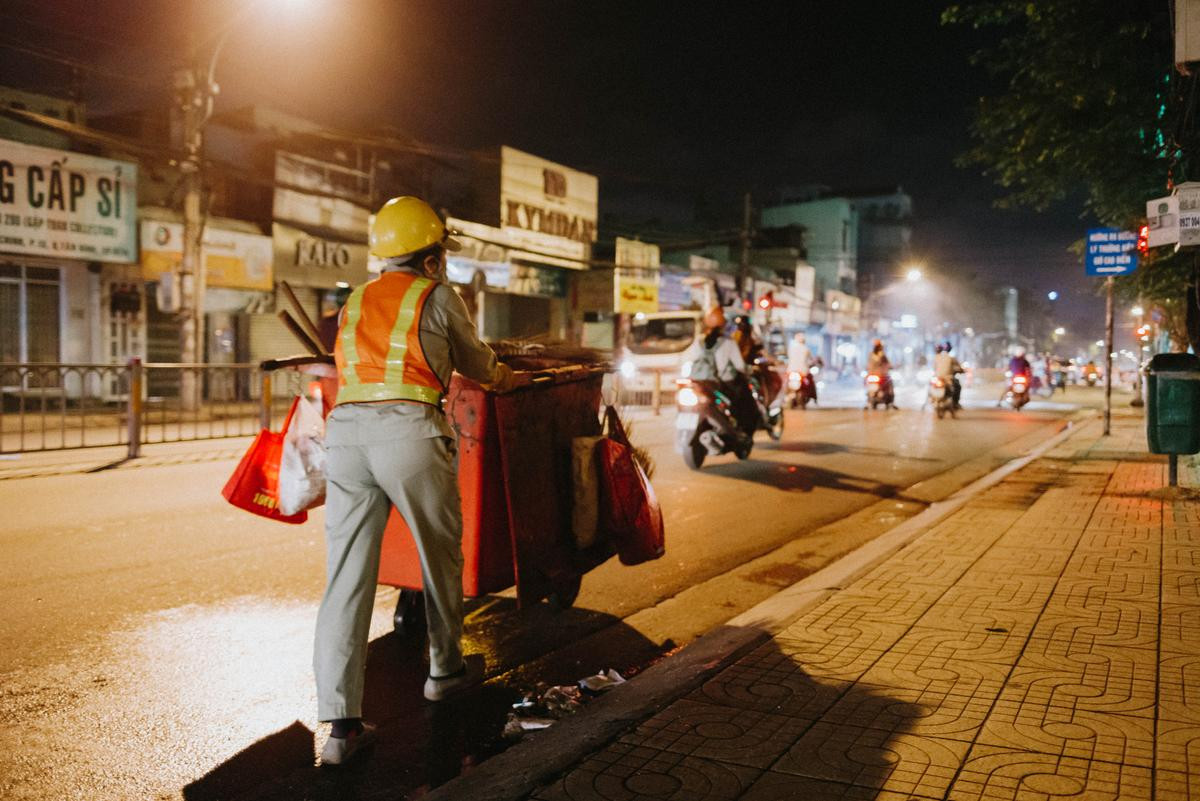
628 369
685 370
816 369
687 397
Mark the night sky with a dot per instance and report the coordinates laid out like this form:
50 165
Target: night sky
673 105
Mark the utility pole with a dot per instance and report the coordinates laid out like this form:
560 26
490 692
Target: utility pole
192 82
744 260
1108 356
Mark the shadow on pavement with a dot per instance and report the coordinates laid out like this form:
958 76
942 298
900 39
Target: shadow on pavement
827 448
804 478
420 745
762 727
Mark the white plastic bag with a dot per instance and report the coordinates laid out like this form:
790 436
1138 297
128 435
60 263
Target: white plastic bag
302 464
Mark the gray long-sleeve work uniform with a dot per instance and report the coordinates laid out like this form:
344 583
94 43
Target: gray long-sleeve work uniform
403 454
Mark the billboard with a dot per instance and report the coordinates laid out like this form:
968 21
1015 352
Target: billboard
65 204
545 207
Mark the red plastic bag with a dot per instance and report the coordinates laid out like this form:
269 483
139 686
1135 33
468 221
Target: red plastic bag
629 510
254 485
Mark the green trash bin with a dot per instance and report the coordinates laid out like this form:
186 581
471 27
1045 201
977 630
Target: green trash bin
1173 405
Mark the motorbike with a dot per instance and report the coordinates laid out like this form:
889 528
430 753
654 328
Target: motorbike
1093 379
880 390
1018 391
706 423
941 397
802 386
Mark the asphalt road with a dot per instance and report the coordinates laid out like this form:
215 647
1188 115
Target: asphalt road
156 641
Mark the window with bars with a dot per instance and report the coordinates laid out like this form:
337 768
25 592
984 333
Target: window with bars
30 313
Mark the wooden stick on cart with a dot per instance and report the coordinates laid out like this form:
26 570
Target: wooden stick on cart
311 345
302 316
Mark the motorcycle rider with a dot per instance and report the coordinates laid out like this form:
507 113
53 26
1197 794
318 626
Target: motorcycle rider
947 368
1017 365
718 358
800 359
878 363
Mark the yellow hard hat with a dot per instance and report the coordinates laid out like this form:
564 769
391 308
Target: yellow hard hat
405 225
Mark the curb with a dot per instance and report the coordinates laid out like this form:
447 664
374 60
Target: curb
518 771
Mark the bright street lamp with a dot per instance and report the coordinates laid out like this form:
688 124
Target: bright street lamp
1058 332
914 274
1137 311
1052 295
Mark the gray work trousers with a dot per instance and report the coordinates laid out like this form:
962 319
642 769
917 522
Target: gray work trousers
374 463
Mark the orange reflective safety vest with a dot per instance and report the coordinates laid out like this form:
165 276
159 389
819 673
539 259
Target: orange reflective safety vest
378 351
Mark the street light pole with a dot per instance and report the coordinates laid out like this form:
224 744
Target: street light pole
1137 401
1108 356
191 268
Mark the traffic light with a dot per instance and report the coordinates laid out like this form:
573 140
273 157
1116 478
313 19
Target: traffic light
767 300
1143 240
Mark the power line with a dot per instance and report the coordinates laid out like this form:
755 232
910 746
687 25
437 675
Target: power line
49 55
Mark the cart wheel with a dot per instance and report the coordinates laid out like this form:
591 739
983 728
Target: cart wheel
565 593
409 617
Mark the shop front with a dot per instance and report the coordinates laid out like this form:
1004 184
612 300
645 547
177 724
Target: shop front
67 231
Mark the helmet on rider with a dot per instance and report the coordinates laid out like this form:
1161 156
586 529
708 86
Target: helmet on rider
877 345
714 318
946 346
938 348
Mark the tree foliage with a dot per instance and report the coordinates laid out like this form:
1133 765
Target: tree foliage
1088 109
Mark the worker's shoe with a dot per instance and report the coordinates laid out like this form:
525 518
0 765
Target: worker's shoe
338 750
443 687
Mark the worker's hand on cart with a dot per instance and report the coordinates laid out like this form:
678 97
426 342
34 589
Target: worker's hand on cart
505 379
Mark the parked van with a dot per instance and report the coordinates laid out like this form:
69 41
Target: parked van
655 344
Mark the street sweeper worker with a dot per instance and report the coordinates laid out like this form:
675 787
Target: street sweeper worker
400 337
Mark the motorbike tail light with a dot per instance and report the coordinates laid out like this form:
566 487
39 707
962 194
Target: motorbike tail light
687 397
872 379
1019 381
937 382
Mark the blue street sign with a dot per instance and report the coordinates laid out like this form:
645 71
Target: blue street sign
1111 251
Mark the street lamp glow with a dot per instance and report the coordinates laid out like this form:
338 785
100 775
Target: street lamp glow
913 274
1052 295
1058 332
1137 311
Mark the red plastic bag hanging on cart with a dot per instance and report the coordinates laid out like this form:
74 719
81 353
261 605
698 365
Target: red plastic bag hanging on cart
629 510
254 485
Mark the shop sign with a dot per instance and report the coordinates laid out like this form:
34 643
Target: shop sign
463 271
304 259
525 279
65 204
545 207
231 259
703 264
635 290
673 294
633 253
291 203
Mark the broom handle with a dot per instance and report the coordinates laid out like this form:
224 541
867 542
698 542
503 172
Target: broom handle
302 317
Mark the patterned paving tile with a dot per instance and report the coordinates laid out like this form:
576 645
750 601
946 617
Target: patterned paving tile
786 787
708 731
1010 603
1128 625
1131 558
932 712
1110 538
1119 589
624 772
1004 774
937 673
769 681
1028 561
1179 687
836 649
1104 679
900 763
1181 556
1074 733
938 570
976 645
1179 747
1038 535
1173 786
1181 587
1180 627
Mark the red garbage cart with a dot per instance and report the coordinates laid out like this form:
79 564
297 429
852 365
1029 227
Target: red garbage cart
514 476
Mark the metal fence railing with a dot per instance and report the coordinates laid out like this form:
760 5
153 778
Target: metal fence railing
45 407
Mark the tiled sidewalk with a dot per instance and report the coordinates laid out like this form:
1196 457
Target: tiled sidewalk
1043 642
